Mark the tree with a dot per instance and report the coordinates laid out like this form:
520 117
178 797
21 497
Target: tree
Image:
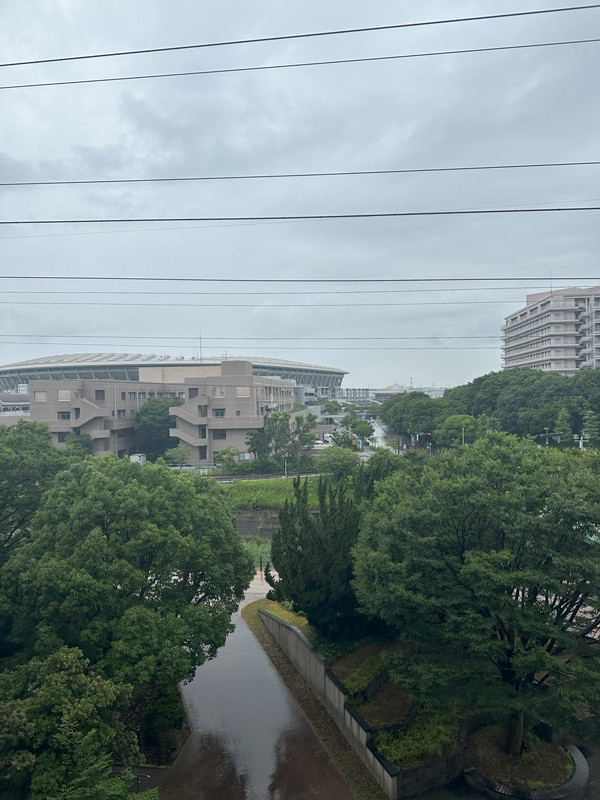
312 557
138 567
257 442
456 429
290 438
227 457
60 732
591 428
28 464
330 407
277 431
78 444
344 439
152 422
339 462
180 455
490 556
563 426
302 436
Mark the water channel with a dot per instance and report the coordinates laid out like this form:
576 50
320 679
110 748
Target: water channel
249 741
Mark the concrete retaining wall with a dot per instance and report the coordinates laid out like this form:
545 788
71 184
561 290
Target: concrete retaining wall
334 697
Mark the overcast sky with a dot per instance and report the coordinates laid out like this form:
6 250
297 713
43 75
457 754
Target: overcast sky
513 107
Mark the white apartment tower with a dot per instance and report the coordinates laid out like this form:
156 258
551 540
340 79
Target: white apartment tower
557 331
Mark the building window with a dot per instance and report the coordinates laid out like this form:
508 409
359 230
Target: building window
238 413
150 395
64 415
142 395
202 411
77 412
60 437
202 452
40 397
202 431
132 396
218 412
181 394
99 395
192 393
219 434
122 395
121 413
64 395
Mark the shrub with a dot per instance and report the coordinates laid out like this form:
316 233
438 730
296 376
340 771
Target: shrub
430 736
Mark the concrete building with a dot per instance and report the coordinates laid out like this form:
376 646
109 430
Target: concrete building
557 331
218 410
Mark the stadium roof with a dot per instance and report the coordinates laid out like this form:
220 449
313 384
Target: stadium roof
146 360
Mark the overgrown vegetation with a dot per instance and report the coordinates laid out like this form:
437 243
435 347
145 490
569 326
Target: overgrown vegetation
431 735
266 494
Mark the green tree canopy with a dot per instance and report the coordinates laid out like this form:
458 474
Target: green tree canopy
28 464
60 732
180 455
339 462
138 567
152 423
312 555
492 555
456 429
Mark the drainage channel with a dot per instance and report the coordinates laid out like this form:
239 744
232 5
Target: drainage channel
250 740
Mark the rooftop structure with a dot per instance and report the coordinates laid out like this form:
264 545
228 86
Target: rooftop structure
163 369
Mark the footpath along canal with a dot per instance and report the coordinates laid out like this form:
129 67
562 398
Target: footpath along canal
249 741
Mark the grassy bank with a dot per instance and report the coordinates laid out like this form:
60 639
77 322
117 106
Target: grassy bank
350 766
268 494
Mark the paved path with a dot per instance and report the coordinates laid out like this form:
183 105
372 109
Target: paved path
250 740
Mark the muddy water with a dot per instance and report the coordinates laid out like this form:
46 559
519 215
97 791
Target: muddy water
250 740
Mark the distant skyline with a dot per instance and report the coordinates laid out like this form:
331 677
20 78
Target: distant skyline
526 106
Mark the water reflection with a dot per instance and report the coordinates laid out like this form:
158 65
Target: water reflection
249 741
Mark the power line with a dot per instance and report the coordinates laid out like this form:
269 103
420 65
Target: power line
348 173
253 305
265 292
546 278
238 338
325 347
288 37
302 64
298 217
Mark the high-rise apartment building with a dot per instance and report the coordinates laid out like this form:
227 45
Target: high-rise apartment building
557 331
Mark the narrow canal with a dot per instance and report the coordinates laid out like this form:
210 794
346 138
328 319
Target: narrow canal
249 741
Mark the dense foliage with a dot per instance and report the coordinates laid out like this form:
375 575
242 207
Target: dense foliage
152 423
486 561
312 555
522 402
118 580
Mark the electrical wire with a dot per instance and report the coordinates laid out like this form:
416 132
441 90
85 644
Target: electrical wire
300 217
348 173
253 305
265 292
288 37
325 347
302 64
153 278
237 338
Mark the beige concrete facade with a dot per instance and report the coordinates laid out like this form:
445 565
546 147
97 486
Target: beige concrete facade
103 409
218 409
557 331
